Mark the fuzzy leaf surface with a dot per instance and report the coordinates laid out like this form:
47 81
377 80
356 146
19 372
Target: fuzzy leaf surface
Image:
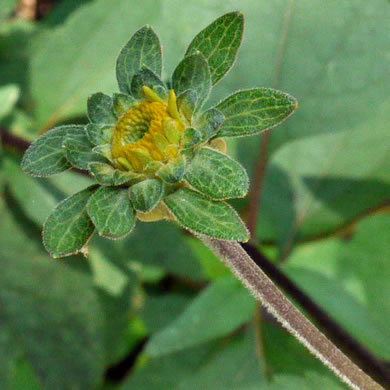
146 194
209 123
146 77
68 228
99 134
209 217
111 212
46 157
193 73
78 150
253 111
219 43
121 103
106 175
100 109
217 175
173 172
142 49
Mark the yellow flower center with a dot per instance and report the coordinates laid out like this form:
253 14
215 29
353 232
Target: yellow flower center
148 135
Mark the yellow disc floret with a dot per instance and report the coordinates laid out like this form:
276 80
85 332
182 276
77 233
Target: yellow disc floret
148 135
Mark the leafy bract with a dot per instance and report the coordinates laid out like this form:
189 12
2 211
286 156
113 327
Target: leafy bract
209 123
122 102
99 134
173 172
111 212
146 77
78 150
252 111
216 175
206 216
106 175
46 156
146 194
219 43
142 49
193 73
100 109
68 228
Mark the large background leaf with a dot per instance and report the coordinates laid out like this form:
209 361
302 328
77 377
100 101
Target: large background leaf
48 309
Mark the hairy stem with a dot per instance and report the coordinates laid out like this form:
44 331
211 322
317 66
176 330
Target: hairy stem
263 289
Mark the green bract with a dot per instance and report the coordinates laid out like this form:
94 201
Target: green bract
152 148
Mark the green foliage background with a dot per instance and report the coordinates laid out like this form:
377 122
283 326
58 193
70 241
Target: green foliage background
64 322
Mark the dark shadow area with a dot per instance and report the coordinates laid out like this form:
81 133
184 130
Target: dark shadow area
56 12
277 204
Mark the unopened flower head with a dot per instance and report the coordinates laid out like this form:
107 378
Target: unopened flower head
155 150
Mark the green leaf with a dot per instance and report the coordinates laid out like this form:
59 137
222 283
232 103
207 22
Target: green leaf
193 73
211 218
229 364
146 194
174 171
217 175
89 46
351 280
78 150
103 150
186 103
159 311
46 157
191 138
253 111
106 175
209 123
214 313
49 310
43 193
99 134
146 77
9 95
100 109
68 228
293 382
219 43
165 235
142 49
121 103
111 212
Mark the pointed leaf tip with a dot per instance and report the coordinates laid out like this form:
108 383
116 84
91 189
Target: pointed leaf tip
142 49
111 212
219 43
46 156
193 73
252 111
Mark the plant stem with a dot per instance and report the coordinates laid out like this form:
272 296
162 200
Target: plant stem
263 289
